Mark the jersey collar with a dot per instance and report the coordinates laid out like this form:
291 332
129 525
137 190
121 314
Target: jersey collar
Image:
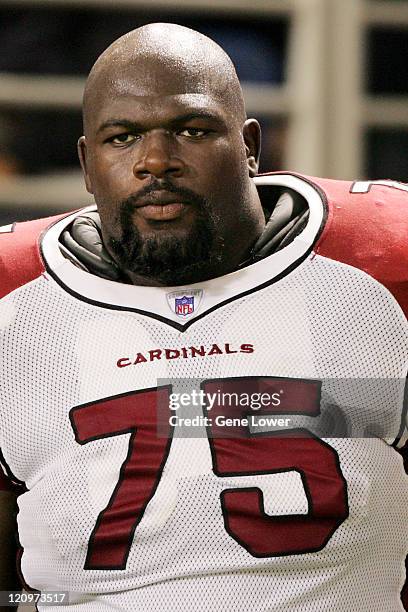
160 302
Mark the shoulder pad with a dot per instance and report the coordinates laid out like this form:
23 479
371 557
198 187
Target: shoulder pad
367 228
20 257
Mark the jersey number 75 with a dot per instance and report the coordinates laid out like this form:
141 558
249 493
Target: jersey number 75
240 453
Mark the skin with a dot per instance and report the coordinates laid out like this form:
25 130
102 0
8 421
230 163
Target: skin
163 111
8 546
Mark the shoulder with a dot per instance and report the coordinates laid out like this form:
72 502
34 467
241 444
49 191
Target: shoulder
20 254
367 224
366 227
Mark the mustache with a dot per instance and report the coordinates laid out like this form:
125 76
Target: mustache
155 187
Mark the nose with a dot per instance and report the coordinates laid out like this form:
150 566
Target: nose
157 157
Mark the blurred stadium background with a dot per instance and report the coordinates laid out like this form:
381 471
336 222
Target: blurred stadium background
328 80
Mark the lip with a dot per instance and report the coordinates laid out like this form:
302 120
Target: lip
160 198
162 212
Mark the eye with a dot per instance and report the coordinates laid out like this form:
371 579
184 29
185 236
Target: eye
192 132
123 139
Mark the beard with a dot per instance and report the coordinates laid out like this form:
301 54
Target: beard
166 258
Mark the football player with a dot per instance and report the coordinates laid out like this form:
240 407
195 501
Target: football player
203 375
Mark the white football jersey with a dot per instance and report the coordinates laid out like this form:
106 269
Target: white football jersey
224 446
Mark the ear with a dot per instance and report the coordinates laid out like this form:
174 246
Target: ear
252 138
82 154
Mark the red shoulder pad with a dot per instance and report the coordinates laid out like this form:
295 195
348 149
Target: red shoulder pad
20 257
367 228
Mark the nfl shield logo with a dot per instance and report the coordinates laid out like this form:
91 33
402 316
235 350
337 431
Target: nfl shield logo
185 302
185 305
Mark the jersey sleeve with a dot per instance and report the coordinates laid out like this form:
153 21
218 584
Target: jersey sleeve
20 263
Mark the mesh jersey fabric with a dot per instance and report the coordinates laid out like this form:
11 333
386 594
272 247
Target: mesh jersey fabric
324 321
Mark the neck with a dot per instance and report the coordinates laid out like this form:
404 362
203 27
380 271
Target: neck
189 277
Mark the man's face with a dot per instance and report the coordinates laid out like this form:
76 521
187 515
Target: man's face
167 164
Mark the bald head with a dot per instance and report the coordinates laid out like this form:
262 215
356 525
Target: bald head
169 156
164 55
